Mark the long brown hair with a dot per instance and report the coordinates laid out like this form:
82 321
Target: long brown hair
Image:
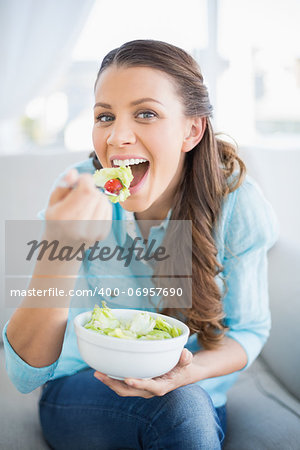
204 182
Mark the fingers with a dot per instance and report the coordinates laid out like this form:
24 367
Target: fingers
121 388
79 208
103 208
155 387
82 200
76 197
86 183
73 185
64 186
186 358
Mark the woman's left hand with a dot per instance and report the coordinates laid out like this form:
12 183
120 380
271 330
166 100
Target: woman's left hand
180 375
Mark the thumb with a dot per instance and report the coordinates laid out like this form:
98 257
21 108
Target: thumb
185 358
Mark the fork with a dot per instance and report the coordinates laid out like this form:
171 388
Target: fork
64 184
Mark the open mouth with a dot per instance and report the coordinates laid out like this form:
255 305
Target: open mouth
138 167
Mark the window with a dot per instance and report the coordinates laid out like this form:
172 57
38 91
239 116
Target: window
64 118
258 89
248 51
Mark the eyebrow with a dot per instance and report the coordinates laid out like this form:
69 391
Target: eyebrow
134 103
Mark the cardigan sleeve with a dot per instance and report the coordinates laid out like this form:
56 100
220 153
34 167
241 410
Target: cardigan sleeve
24 377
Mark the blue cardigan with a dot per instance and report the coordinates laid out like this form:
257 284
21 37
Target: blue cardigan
247 228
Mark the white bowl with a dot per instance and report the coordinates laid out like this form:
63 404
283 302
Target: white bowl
122 358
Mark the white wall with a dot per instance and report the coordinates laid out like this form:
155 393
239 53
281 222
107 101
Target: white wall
277 172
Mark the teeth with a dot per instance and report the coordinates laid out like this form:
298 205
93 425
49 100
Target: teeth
127 162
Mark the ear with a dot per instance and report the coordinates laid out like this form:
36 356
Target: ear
194 133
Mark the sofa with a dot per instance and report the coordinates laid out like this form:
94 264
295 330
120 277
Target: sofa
264 405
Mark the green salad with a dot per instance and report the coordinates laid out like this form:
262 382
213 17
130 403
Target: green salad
142 326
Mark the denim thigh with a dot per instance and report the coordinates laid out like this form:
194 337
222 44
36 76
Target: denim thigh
80 412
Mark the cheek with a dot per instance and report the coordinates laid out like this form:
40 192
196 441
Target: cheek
167 140
167 153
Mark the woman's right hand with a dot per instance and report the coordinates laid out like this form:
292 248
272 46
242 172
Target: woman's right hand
80 209
74 216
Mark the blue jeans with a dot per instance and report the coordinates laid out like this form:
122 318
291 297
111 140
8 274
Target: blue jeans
80 412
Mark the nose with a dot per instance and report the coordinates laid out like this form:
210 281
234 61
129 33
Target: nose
120 134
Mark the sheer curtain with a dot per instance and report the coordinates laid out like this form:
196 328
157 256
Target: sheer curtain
37 38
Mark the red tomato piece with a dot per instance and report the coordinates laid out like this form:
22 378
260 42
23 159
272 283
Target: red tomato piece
114 186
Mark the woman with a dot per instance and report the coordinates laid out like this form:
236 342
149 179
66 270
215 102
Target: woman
152 107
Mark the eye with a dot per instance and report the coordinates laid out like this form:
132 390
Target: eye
147 114
104 118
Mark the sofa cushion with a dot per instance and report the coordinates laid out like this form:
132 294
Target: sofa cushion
262 415
19 421
282 351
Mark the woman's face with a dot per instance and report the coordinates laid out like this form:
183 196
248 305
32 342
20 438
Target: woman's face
139 116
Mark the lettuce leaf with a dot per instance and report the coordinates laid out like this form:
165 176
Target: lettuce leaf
142 324
163 325
156 334
102 318
122 334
